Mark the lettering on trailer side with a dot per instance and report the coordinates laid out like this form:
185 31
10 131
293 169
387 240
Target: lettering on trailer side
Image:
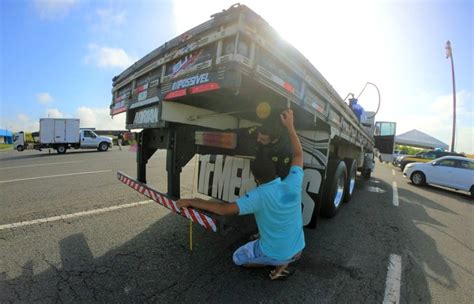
227 178
224 177
146 116
190 81
311 185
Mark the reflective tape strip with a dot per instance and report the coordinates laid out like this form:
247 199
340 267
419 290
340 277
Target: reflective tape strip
192 214
172 205
204 218
163 202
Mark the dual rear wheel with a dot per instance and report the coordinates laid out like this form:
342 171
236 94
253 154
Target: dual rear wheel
339 185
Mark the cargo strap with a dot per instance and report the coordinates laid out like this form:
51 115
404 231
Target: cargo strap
164 200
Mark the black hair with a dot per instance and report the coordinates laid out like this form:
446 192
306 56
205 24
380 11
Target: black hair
263 169
272 127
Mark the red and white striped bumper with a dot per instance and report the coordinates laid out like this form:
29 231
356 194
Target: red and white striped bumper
162 199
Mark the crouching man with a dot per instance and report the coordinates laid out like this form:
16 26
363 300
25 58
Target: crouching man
276 205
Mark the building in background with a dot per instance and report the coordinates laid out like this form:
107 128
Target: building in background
6 137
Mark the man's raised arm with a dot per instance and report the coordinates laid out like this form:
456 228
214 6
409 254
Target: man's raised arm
287 120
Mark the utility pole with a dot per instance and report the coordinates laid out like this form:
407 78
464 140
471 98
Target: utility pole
449 54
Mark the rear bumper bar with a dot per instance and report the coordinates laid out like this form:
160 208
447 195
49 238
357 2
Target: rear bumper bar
198 217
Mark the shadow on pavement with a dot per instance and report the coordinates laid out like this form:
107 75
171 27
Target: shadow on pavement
155 266
423 251
461 196
397 234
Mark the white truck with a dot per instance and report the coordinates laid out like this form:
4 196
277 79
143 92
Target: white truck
61 134
193 94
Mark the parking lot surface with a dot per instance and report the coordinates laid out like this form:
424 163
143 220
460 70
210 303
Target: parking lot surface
70 232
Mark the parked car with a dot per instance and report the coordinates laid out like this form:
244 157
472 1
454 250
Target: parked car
449 171
425 157
398 159
397 153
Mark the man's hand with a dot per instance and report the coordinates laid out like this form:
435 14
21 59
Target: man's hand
184 203
287 118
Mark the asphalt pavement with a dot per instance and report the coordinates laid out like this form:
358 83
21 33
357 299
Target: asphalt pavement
392 242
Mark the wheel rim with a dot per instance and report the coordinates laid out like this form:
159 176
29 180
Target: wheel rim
417 178
339 191
61 149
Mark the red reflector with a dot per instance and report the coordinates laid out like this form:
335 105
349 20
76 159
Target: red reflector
289 87
174 94
128 136
204 87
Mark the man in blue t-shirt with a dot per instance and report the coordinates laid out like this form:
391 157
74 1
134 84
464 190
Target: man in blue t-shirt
276 205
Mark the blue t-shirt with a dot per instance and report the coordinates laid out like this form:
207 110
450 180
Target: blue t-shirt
277 209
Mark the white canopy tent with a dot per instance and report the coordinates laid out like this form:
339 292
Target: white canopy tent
419 139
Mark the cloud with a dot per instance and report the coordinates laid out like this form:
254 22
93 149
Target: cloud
465 140
105 20
463 103
22 123
54 113
23 118
436 119
44 98
100 119
49 10
106 57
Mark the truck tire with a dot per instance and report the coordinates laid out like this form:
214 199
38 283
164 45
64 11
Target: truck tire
334 185
103 146
472 191
20 148
351 166
61 149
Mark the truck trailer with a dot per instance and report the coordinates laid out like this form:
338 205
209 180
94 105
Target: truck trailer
61 134
195 93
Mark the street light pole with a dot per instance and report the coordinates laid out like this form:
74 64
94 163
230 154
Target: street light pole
449 54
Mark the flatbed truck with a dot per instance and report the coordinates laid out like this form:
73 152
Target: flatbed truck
194 93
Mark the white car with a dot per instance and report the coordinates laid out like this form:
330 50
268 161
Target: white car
449 171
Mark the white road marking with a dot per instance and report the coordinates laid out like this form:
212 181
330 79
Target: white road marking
49 176
72 215
393 172
46 164
395 194
392 284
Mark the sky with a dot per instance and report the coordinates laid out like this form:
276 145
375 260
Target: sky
58 58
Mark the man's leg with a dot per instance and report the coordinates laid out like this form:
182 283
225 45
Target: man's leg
246 256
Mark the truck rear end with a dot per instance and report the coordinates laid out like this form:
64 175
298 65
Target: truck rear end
193 94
